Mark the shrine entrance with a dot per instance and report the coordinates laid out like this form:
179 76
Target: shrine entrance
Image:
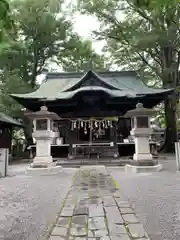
94 138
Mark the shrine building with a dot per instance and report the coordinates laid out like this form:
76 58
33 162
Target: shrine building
91 107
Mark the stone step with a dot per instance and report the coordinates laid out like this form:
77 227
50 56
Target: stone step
80 163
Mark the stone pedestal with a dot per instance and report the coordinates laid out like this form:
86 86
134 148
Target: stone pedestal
142 147
43 133
143 169
141 132
43 161
4 155
43 148
51 169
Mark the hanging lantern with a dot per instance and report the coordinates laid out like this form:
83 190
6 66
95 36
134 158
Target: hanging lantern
74 124
96 124
111 125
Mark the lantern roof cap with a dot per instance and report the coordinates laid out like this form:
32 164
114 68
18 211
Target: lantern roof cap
42 113
140 110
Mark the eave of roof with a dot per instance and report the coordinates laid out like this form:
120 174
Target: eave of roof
64 87
9 120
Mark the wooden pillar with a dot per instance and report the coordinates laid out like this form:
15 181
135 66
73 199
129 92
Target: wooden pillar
115 137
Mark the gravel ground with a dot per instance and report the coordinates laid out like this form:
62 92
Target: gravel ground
28 205
155 198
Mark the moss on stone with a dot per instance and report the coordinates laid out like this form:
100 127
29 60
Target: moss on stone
115 183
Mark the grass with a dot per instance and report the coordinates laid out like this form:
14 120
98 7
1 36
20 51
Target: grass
89 195
127 228
86 228
106 221
115 183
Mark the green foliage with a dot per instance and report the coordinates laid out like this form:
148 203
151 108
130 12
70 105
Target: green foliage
80 56
5 19
143 35
11 82
40 35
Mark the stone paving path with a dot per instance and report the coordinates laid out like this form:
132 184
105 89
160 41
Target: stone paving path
95 210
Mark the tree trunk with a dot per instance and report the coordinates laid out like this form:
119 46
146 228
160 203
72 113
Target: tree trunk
28 131
171 135
169 78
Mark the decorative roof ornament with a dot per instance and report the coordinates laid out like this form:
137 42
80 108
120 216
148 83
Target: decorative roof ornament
139 105
43 113
140 110
44 108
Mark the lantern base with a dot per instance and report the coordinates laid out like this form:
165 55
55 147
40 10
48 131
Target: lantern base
43 169
42 161
143 169
142 156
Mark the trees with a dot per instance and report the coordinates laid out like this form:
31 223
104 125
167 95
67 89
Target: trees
41 34
147 33
5 19
80 56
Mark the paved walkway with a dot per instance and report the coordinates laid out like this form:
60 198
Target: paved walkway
95 209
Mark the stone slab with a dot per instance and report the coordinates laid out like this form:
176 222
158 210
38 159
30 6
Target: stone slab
113 215
108 201
63 222
130 218
95 200
98 238
137 230
122 204
57 238
79 226
96 223
80 238
59 231
43 171
98 233
81 211
120 237
126 211
77 232
96 210
142 169
116 229
77 238
67 212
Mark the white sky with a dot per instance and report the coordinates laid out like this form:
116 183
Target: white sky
84 25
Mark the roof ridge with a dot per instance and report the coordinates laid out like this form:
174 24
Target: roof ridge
86 75
55 75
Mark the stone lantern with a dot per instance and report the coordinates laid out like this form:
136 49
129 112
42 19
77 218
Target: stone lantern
43 133
141 132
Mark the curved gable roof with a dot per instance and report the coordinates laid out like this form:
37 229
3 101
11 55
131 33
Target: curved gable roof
66 85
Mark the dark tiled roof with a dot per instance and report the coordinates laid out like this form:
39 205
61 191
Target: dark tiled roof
9 120
66 85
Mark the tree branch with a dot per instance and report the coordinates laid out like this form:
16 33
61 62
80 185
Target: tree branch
148 64
155 58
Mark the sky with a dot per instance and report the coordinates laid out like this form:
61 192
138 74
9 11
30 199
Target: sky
84 25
